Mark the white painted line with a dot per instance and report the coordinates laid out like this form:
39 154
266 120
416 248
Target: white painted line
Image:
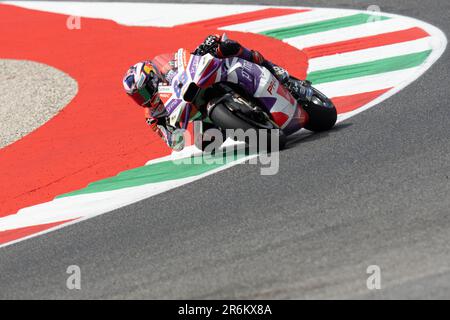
138 14
367 55
416 72
366 84
289 20
193 151
349 33
94 204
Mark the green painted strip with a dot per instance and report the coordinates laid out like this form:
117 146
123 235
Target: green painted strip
159 172
321 26
369 68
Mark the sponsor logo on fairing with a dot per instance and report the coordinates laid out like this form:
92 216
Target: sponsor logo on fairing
170 107
194 65
270 87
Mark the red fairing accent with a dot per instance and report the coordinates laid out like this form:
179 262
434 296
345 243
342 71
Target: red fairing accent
280 118
211 77
210 80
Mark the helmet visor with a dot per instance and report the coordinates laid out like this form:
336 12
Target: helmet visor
145 95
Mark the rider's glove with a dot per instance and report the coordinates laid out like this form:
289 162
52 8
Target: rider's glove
173 137
153 123
177 140
300 89
163 132
208 46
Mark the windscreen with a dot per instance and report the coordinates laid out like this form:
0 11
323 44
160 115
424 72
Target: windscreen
164 62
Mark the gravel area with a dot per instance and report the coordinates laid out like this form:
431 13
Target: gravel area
31 93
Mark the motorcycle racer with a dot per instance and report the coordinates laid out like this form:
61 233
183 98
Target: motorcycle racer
142 79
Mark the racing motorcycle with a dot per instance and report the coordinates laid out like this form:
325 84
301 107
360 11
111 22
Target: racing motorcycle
233 93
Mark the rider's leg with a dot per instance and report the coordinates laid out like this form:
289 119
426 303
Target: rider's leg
231 48
301 90
280 73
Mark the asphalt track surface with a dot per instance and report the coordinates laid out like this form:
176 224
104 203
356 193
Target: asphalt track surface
375 190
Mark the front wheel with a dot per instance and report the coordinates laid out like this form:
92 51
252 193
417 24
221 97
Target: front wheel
203 139
321 112
224 118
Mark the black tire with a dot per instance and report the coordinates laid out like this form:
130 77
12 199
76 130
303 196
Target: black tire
226 119
321 111
201 142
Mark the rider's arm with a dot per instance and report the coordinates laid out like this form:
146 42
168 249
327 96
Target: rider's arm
229 48
159 126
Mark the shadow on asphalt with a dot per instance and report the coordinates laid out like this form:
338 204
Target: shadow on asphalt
307 136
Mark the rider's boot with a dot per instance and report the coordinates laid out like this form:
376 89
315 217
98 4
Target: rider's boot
301 90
